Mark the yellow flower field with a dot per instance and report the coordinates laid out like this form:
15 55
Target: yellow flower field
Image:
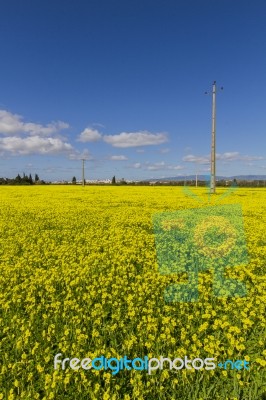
79 276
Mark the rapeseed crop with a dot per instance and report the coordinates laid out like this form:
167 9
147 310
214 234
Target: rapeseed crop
79 276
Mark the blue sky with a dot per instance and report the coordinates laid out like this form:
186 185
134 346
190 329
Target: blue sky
121 83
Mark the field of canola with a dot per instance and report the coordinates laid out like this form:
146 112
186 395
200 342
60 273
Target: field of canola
79 276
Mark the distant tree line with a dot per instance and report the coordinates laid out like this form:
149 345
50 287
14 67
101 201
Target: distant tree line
22 180
28 180
221 183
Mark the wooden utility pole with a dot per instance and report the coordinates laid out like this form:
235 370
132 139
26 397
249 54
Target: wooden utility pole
213 146
213 140
83 174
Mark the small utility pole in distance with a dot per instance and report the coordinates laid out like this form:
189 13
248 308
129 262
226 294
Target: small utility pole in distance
213 143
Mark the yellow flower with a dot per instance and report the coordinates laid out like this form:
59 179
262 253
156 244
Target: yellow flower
81 277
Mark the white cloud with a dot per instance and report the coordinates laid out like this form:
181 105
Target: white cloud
33 145
124 139
236 156
13 124
157 166
176 167
229 156
137 165
135 139
164 151
195 159
118 158
89 135
77 155
24 138
204 169
163 166
98 124
225 157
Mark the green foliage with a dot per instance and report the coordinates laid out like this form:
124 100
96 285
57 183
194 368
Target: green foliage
24 180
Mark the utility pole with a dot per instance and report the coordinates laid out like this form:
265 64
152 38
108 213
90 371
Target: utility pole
213 148
83 175
213 141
